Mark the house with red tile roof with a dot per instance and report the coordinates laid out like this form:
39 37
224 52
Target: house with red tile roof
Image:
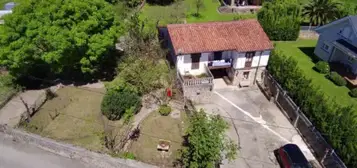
238 50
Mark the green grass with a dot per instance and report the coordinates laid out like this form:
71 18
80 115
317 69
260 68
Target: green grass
186 11
79 121
159 127
302 51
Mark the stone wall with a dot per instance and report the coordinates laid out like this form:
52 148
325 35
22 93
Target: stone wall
71 151
254 73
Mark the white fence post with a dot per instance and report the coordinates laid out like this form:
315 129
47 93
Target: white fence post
298 116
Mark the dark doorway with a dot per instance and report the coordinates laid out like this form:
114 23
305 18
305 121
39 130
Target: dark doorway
217 55
219 73
195 61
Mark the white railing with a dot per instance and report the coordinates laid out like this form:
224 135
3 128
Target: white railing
195 81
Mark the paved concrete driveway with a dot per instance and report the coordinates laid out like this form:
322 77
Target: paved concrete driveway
257 125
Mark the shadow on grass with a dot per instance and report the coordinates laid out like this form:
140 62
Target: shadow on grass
309 51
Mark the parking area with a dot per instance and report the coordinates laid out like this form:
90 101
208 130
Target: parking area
256 124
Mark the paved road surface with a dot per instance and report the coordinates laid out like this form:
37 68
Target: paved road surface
19 155
257 125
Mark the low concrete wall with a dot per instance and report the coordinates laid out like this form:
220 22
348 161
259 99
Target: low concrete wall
70 151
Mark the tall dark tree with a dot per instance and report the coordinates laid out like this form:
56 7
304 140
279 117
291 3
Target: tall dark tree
320 12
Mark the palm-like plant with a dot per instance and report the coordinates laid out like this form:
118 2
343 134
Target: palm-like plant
321 12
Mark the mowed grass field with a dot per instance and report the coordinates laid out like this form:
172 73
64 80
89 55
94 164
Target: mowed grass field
79 119
154 128
302 52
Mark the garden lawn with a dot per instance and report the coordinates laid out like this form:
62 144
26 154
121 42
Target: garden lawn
302 52
154 128
79 121
207 14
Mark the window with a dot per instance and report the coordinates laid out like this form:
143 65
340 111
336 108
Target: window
249 58
326 47
195 61
246 75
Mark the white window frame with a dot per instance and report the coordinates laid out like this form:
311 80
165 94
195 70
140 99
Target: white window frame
326 47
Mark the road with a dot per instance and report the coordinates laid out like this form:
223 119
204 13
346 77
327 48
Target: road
20 155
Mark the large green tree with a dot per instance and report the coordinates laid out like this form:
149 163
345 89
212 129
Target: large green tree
320 12
281 19
206 141
42 37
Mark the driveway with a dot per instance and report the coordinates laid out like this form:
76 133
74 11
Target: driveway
257 125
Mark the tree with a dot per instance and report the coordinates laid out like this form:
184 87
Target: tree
48 37
320 12
143 64
206 142
281 19
116 103
199 4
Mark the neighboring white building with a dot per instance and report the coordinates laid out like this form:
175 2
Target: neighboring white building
7 10
240 49
337 44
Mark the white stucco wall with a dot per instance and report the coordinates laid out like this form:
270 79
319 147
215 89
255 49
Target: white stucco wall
240 62
184 63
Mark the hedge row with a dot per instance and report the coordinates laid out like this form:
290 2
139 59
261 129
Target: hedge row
336 122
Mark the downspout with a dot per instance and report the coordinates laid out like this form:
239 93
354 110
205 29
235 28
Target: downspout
256 70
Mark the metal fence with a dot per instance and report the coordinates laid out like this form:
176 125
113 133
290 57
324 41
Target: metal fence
323 152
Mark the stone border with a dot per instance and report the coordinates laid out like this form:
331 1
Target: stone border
71 151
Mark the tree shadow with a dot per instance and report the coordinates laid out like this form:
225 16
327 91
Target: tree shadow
309 51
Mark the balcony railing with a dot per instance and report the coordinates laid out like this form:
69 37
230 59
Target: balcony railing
191 80
216 64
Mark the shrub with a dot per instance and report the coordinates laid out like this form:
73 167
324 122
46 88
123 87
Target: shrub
114 103
353 92
165 110
322 67
337 79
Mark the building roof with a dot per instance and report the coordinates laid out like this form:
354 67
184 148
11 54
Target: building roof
242 36
9 5
351 19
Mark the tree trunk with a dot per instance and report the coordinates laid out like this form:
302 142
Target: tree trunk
232 2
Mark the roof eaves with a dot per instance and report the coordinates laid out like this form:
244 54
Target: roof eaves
332 23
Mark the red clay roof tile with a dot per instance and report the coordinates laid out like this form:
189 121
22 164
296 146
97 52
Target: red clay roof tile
242 36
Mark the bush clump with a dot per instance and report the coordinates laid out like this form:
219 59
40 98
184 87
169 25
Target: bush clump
322 67
337 79
353 92
114 103
165 110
